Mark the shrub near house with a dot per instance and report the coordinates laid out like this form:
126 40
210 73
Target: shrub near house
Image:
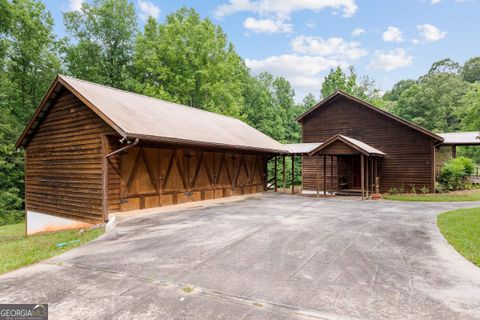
455 173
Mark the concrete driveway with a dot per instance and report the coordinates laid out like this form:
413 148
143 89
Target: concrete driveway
271 256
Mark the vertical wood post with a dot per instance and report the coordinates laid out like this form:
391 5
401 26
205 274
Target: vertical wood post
324 175
454 151
284 177
293 174
275 173
318 176
367 176
331 174
372 176
362 176
104 178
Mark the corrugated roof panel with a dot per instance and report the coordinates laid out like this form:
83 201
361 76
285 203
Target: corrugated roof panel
139 115
465 138
300 148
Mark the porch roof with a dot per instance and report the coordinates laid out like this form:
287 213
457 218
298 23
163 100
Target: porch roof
302 148
358 145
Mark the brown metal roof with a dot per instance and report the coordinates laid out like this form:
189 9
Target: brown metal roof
302 148
338 93
137 116
461 138
358 145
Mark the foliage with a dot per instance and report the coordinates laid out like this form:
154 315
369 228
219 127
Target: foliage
471 70
102 39
19 251
337 79
189 60
455 172
461 228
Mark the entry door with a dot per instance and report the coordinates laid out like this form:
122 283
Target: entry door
357 173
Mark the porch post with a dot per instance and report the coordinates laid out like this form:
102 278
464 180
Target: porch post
331 174
293 174
362 169
367 186
324 175
318 176
284 182
275 172
372 176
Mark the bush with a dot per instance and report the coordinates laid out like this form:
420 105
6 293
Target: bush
455 172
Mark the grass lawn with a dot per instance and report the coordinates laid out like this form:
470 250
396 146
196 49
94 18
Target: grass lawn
17 251
471 195
461 228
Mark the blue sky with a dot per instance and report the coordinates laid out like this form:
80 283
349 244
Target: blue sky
301 40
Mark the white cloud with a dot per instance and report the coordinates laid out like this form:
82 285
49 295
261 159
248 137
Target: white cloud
332 48
392 34
75 5
267 25
311 58
434 1
431 33
148 9
311 23
388 61
303 71
284 8
358 32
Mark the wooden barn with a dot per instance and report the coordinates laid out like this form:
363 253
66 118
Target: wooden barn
91 150
352 147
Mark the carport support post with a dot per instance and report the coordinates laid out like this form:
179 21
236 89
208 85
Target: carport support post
318 176
284 177
324 175
362 168
275 173
293 174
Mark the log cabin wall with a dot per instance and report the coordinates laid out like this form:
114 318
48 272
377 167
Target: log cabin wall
64 162
409 156
159 176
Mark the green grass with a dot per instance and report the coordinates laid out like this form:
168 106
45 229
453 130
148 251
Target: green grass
17 251
439 197
461 228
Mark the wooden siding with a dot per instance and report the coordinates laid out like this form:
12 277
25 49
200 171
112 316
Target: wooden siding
408 152
152 177
64 162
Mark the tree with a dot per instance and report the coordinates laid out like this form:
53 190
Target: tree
190 61
444 66
433 102
339 80
471 70
30 61
309 101
102 36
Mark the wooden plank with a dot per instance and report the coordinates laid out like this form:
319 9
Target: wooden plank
318 176
324 176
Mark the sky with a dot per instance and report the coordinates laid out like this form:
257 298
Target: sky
301 40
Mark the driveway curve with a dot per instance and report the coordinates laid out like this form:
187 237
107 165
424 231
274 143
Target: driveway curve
270 256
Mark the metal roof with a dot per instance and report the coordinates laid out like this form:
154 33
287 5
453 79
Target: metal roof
461 138
137 116
354 143
301 148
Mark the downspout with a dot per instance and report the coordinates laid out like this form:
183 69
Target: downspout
137 140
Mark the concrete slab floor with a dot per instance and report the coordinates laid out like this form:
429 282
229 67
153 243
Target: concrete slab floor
272 256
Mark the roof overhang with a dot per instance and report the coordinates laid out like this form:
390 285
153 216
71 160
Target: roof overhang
460 138
356 145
